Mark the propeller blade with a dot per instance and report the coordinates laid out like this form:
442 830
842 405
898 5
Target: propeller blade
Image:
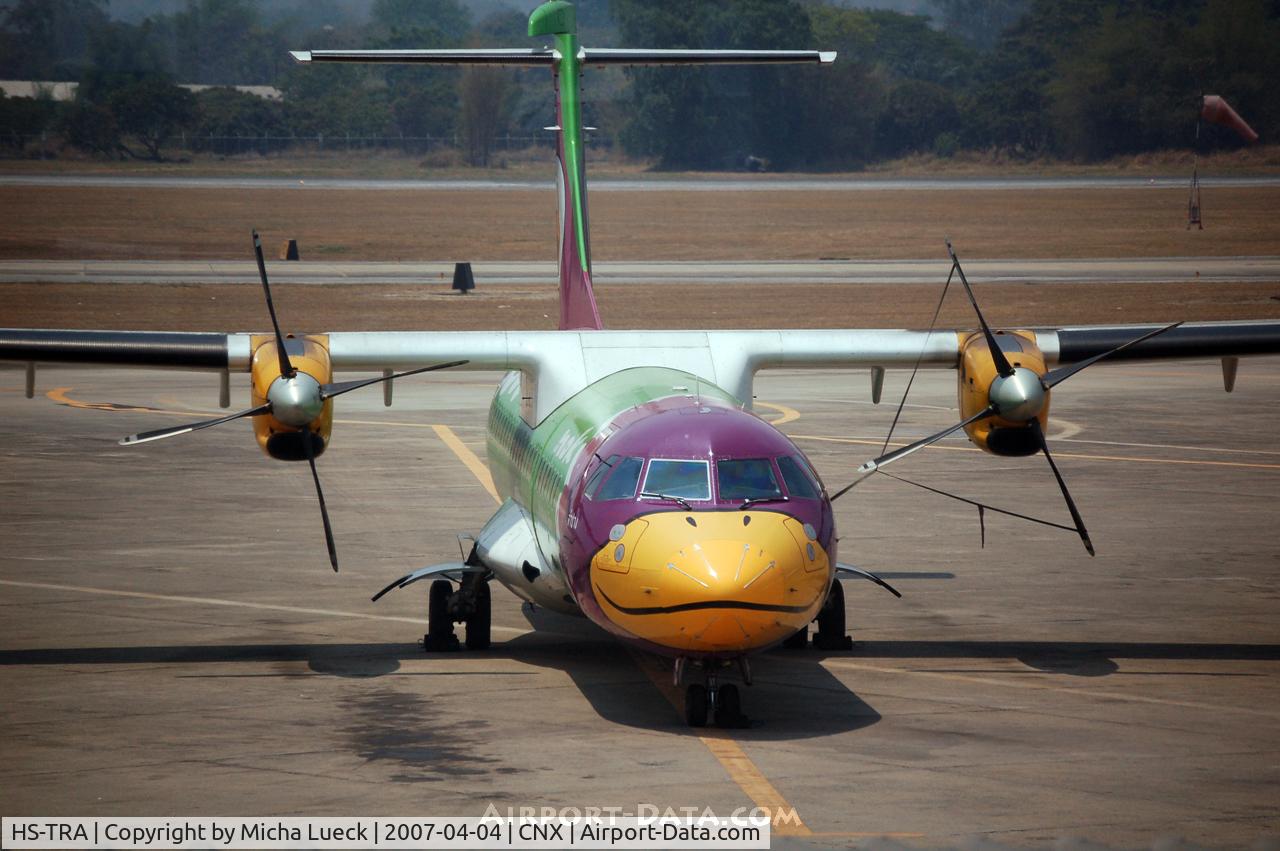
873 465
161 433
286 367
1066 494
324 512
328 391
1002 363
1061 374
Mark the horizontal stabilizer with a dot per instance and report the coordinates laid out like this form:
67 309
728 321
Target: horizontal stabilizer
626 56
490 56
543 56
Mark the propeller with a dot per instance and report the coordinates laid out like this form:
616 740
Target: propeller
1017 395
294 399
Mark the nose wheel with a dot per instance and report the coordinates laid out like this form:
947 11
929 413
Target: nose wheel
711 700
469 605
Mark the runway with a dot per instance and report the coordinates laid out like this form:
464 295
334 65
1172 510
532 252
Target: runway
645 183
931 271
173 641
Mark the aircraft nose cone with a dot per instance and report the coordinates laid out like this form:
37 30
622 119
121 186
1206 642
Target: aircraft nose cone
726 583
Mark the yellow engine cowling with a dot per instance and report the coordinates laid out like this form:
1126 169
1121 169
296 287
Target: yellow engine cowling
309 354
977 371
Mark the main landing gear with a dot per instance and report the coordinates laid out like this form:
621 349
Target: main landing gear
709 699
468 605
831 634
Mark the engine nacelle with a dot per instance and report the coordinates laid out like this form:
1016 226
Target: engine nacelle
977 375
300 398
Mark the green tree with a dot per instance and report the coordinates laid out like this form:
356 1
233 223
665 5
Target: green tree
49 39
980 22
484 93
120 55
714 117
1234 51
23 119
448 18
916 113
221 42
226 114
153 110
90 127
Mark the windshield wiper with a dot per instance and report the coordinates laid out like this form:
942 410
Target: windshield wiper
682 501
747 503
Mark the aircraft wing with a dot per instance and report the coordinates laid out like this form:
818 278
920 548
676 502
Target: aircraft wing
489 350
563 362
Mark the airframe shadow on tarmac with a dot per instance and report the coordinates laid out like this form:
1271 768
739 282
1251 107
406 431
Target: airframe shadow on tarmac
787 701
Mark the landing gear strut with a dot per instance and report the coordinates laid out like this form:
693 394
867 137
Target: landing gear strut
469 605
703 701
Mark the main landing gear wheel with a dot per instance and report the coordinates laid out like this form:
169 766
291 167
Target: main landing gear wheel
439 621
478 622
695 705
831 625
729 707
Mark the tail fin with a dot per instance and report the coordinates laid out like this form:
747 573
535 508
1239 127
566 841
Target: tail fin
557 18
577 298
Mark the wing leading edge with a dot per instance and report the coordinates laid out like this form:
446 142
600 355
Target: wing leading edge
561 363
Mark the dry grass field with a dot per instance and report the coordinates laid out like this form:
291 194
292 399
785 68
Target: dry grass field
161 223
164 223
314 309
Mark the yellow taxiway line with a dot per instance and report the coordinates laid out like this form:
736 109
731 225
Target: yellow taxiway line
750 779
727 752
467 457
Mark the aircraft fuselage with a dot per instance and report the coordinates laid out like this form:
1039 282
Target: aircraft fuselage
666 514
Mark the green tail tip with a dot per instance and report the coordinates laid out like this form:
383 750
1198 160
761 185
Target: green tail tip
554 18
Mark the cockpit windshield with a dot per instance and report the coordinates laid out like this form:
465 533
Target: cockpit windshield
747 478
684 479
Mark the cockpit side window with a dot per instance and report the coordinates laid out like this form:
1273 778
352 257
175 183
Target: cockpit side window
621 483
799 484
747 478
606 464
685 479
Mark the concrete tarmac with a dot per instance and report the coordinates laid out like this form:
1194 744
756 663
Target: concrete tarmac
174 642
932 271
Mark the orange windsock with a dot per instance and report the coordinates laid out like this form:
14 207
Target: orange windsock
1215 110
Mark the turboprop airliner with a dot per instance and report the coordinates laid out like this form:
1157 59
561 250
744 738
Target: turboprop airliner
639 489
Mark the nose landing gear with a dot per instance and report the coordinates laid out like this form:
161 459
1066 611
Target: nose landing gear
468 605
703 701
